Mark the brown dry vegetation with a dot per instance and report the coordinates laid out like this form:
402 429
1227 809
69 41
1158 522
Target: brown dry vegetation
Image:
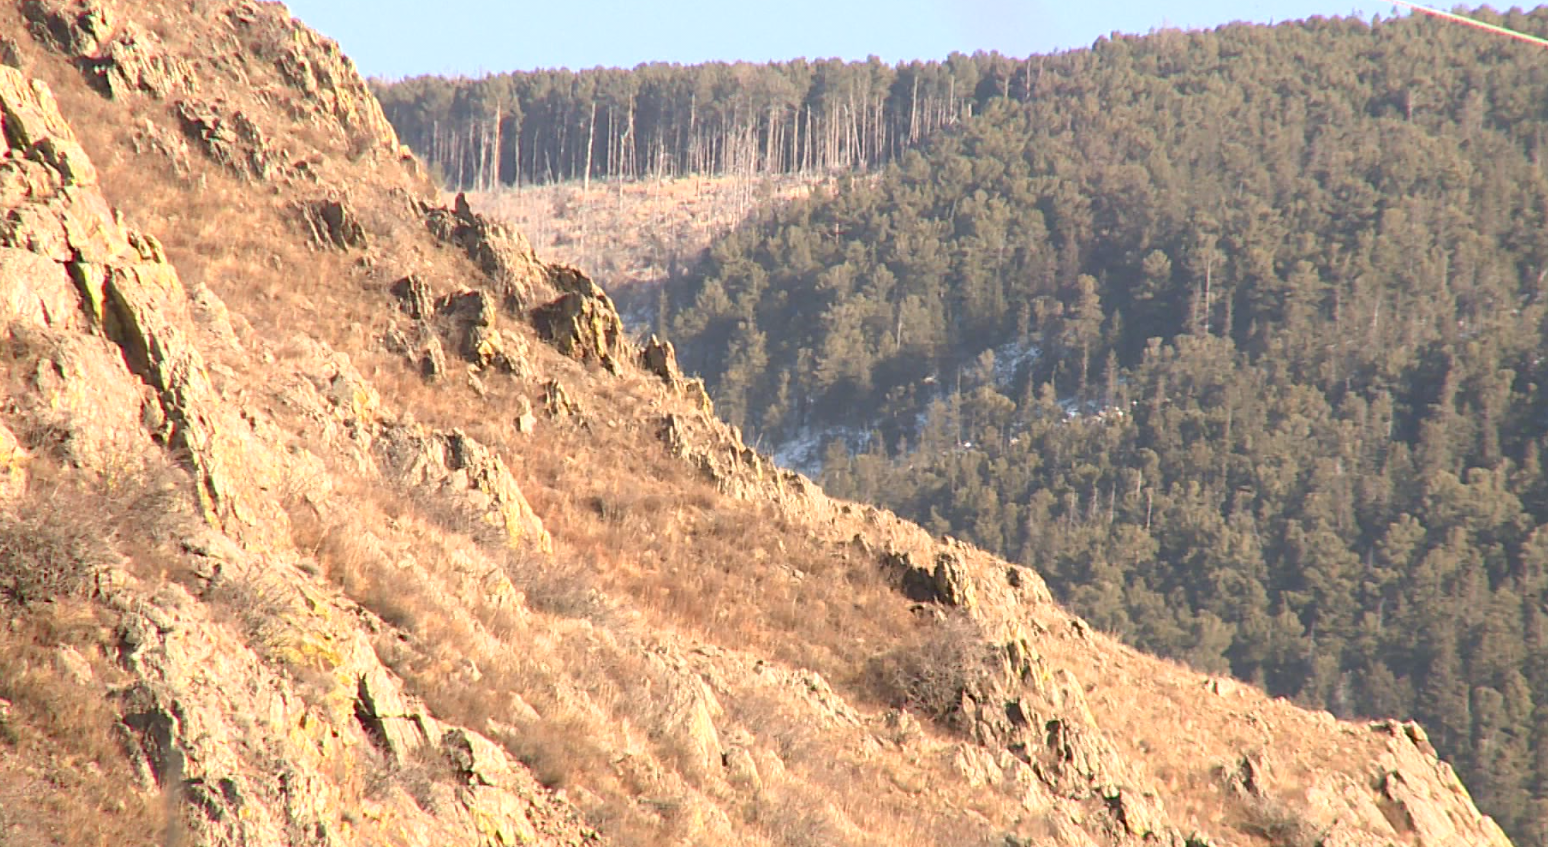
63 772
634 235
63 769
582 663
644 556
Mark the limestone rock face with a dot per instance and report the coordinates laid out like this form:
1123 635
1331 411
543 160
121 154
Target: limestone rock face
452 464
658 357
36 131
504 255
35 291
688 711
583 323
951 584
432 361
392 723
133 62
95 409
526 421
126 292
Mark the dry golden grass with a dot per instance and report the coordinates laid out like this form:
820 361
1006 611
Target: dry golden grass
567 659
575 664
629 233
64 779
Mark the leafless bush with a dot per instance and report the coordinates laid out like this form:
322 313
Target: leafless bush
450 511
797 821
49 548
557 749
558 586
929 678
69 524
1281 824
417 774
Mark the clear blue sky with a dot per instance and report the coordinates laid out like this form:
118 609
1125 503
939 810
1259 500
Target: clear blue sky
406 37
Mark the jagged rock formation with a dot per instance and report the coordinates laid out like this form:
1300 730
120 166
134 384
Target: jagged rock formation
79 283
583 323
456 462
321 600
503 255
120 285
660 358
719 453
121 57
334 223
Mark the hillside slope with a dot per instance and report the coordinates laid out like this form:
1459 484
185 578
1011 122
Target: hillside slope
632 236
1236 337
334 516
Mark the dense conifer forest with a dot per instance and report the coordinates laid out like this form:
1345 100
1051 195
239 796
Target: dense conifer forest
1237 337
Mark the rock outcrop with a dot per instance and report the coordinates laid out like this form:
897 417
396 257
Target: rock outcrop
414 297
336 618
329 90
452 464
231 138
474 319
582 323
334 223
211 715
720 455
129 295
249 761
120 57
516 275
659 358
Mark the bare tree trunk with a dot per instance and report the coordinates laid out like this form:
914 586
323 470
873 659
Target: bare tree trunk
591 135
913 113
634 143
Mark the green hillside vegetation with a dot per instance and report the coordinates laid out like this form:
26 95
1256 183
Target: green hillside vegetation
1285 419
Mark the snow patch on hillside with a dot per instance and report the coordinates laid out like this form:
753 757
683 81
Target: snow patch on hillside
1011 358
803 451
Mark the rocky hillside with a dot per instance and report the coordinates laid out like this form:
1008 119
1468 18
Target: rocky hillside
335 516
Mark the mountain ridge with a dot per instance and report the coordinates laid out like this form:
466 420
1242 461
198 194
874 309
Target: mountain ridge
392 536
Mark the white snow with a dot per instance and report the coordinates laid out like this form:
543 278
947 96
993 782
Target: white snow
803 451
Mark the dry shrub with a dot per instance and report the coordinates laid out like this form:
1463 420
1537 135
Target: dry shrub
929 677
1280 823
799 821
423 768
339 548
47 549
560 751
558 586
70 523
450 512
